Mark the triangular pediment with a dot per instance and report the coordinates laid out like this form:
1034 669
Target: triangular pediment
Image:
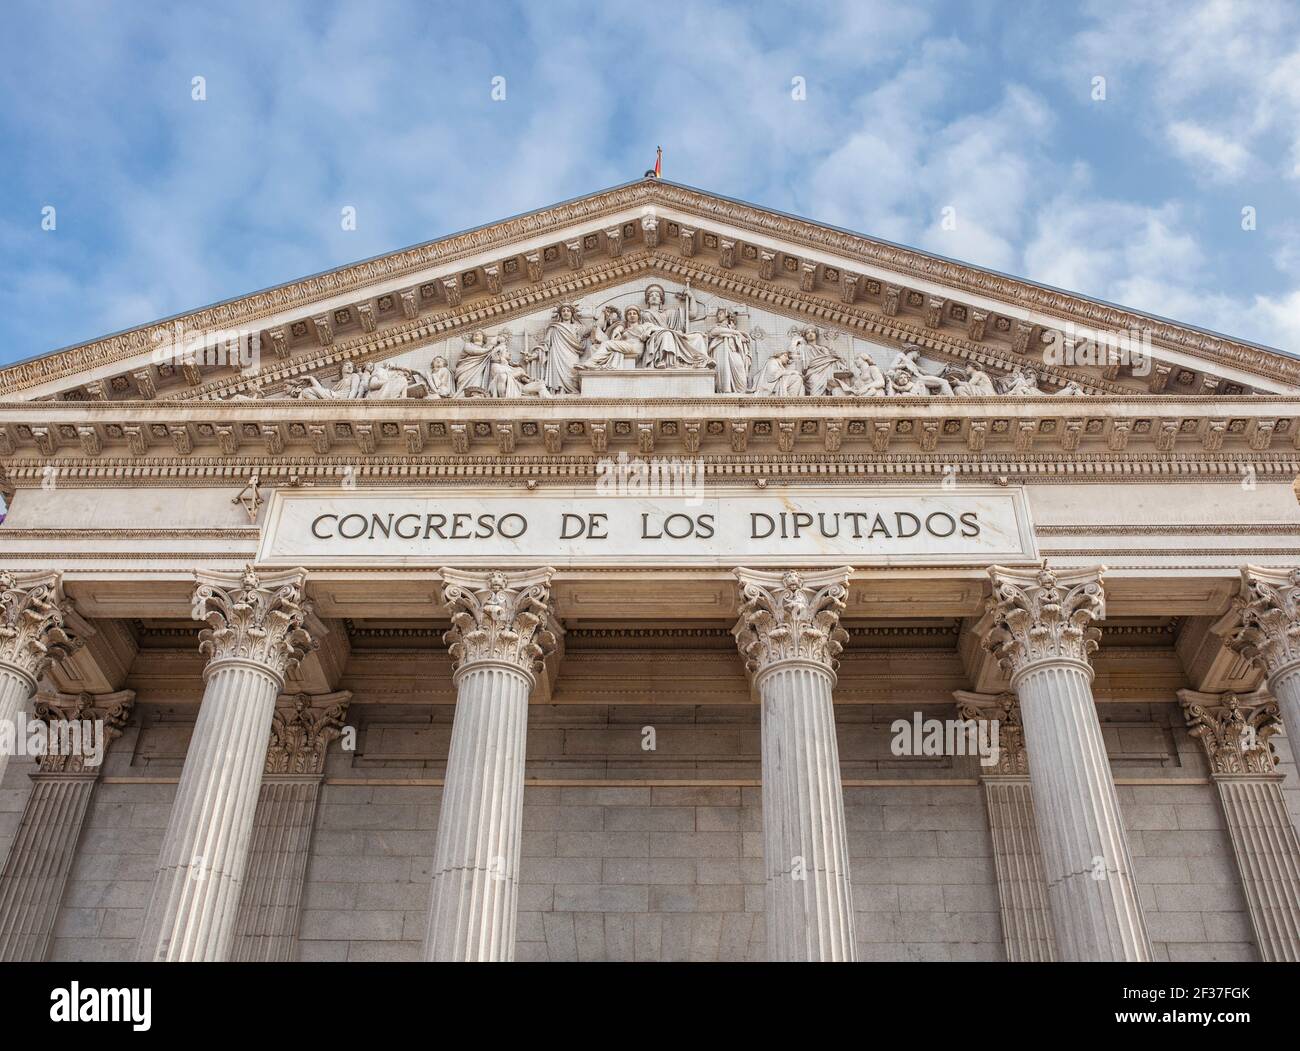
778 274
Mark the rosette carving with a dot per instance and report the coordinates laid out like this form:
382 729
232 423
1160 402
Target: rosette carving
301 730
498 617
1234 731
254 618
38 625
1040 615
791 616
1268 618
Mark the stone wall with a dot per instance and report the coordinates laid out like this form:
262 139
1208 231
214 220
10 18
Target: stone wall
621 863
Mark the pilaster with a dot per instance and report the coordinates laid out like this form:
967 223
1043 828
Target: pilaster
1017 857
1235 732
36 870
270 905
1040 626
255 635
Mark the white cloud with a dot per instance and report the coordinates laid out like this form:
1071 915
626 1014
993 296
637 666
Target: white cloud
1211 154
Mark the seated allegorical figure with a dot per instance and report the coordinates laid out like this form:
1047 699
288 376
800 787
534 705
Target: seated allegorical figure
905 361
818 363
386 382
780 377
974 384
508 380
1023 382
868 381
443 385
617 342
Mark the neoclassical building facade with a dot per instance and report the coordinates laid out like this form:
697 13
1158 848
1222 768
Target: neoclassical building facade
651 577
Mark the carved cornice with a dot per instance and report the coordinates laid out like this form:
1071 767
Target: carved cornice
1039 616
422 260
38 624
1233 730
790 617
1264 625
252 617
498 618
301 730
1004 709
112 710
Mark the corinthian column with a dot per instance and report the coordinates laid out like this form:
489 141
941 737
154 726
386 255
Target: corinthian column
498 641
1235 732
1264 626
40 858
254 636
1017 859
789 635
302 728
38 627
1042 634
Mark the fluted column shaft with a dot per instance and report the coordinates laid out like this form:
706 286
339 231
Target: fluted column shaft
254 636
1235 732
498 641
266 929
1090 886
1268 858
789 635
38 864
41 855
16 689
476 860
805 844
1018 864
191 914
270 904
1284 685
1040 626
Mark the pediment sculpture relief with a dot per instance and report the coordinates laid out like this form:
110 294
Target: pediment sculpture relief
650 333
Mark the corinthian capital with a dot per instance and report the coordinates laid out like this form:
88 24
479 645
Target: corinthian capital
790 616
1233 730
70 717
253 618
301 730
38 625
1038 615
1004 710
498 617
1264 624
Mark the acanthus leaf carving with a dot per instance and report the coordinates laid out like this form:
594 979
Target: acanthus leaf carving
1039 615
1265 619
301 730
110 710
38 623
499 617
791 616
254 618
1233 730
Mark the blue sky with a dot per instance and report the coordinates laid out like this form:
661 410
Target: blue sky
163 203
